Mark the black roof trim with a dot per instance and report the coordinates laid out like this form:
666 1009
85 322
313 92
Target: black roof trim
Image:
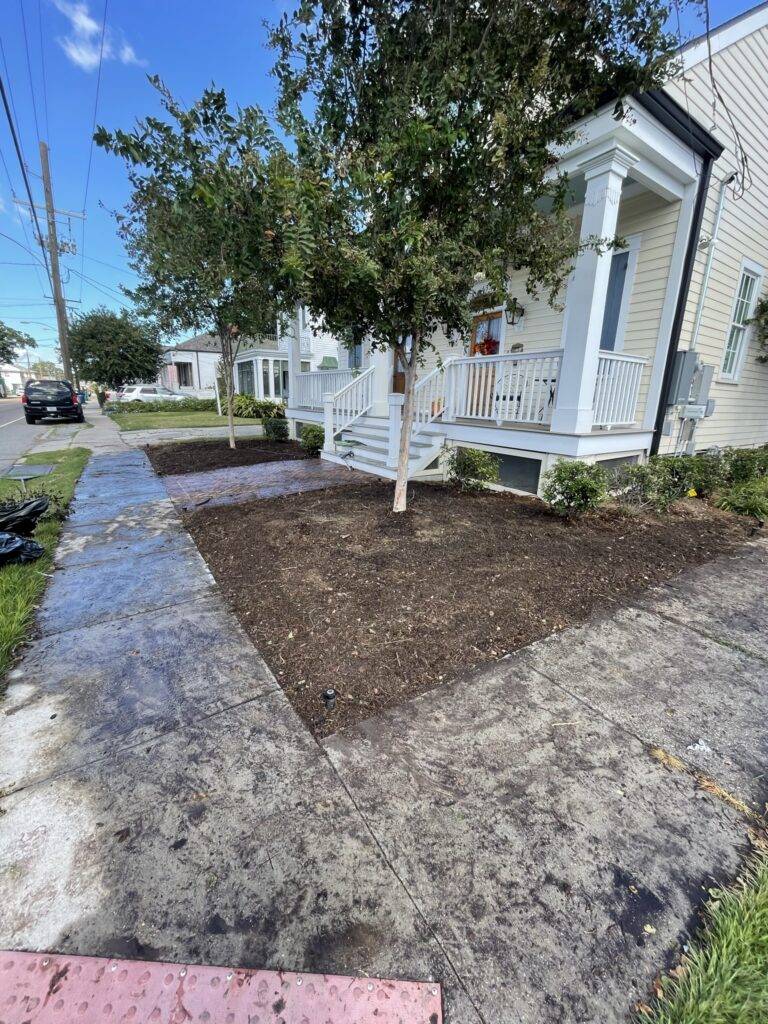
674 117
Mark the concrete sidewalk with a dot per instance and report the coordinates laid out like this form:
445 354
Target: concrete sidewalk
507 834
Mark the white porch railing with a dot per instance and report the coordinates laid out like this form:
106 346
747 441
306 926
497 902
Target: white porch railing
309 388
513 388
348 404
428 398
617 388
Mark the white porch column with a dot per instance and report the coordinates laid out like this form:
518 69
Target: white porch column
587 292
381 361
292 342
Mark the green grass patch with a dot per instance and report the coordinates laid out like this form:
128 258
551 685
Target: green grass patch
174 420
724 978
21 586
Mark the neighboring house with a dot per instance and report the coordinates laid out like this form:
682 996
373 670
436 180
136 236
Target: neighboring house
594 379
263 366
13 378
190 367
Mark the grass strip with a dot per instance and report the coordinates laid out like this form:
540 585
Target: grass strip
723 979
21 586
175 420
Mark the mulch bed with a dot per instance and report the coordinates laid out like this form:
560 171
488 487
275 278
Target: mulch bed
335 590
177 457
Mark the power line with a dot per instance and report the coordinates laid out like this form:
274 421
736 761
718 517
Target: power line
29 69
90 147
123 270
42 65
17 146
105 289
744 173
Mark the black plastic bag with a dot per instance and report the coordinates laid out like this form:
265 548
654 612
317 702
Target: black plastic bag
15 549
21 516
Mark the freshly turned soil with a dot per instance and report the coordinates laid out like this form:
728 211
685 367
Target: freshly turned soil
337 591
197 456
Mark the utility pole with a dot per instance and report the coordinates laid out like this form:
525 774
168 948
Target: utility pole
53 252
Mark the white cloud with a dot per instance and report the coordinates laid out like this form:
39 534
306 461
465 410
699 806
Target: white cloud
82 44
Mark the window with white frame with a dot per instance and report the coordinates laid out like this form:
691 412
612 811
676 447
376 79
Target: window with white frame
743 308
184 371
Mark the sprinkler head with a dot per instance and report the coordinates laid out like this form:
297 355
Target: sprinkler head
329 698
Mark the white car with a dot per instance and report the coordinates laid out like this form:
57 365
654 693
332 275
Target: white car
149 393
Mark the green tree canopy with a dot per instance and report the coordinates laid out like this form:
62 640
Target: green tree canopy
114 349
428 134
209 228
12 342
46 368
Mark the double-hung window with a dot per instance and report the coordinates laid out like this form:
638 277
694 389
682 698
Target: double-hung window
743 309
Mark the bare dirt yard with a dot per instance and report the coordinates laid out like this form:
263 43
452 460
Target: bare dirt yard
173 458
337 591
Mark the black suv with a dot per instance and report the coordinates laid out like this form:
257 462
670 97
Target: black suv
51 399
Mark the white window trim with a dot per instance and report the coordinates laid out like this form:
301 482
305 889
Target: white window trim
758 272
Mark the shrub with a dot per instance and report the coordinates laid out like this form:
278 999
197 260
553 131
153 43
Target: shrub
656 484
251 407
572 486
276 429
745 464
704 473
312 439
747 499
471 469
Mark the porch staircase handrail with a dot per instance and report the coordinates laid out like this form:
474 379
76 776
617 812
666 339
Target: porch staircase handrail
428 398
348 404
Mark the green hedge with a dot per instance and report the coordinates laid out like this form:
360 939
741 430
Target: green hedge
251 407
738 473
163 405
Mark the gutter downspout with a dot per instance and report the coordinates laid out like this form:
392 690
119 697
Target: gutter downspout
682 299
710 259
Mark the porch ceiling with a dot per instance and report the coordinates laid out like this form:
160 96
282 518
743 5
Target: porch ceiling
660 161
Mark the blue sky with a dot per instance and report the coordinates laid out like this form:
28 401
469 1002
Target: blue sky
189 43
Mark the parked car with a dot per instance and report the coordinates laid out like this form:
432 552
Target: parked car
51 399
149 393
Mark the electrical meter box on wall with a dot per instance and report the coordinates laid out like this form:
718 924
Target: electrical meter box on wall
682 377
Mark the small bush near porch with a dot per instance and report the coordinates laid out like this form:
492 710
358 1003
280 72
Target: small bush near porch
336 591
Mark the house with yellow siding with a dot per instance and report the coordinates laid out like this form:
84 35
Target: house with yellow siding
649 348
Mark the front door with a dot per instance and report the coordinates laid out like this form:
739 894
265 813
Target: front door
481 379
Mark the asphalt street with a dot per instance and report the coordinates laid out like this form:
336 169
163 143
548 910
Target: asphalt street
16 435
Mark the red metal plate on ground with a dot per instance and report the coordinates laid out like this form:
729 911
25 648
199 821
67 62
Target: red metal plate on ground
39 988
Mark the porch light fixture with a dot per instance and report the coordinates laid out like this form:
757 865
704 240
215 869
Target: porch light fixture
513 313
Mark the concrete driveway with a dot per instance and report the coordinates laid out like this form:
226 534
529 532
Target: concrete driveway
508 834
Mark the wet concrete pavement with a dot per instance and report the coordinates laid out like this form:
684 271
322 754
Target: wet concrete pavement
508 834
266 480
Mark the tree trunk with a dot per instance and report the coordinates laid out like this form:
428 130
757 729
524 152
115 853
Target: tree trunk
401 484
227 360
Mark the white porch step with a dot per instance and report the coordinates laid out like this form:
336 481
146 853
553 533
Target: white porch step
364 446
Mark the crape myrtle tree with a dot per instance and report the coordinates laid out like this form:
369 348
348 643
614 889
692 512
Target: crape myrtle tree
114 349
430 129
209 228
13 342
